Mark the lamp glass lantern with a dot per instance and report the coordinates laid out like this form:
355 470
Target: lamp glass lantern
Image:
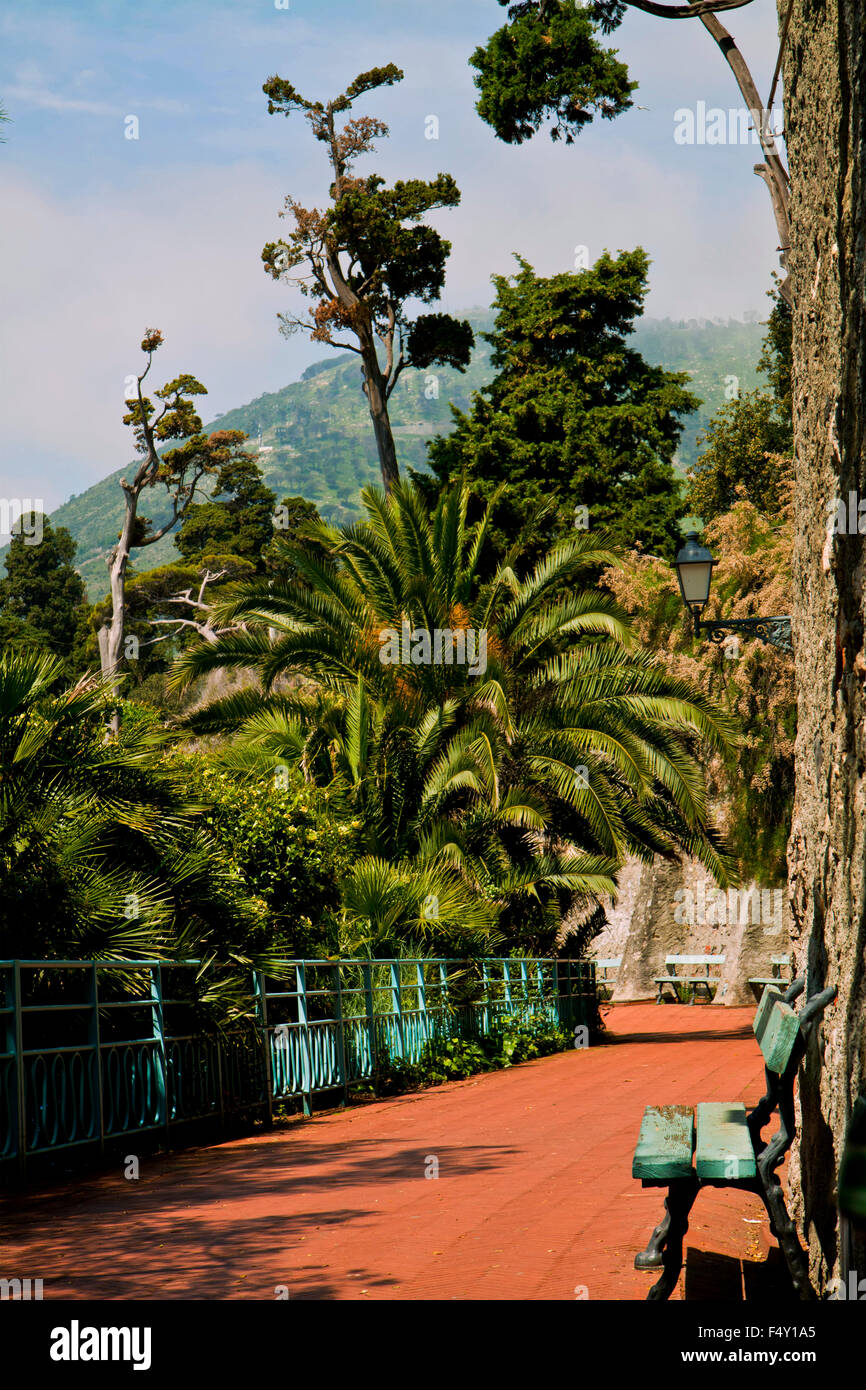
695 572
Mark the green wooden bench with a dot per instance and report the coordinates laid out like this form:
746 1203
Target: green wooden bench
610 969
695 975
777 979
723 1146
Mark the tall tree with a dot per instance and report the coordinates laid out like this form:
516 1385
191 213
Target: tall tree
367 256
179 471
42 597
574 416
749 440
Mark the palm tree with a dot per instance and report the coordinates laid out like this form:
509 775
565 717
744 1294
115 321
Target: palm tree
528 782
101 856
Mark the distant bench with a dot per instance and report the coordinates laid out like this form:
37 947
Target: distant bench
726 1147
693 972
610 969
777 979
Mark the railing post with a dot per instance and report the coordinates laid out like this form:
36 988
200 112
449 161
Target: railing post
158 1030
506 982
554 989
367 976
16 1039
524 986
397 1005
95 1043
261 994
422 999
341 1035
444 1002
303 1020
485 1010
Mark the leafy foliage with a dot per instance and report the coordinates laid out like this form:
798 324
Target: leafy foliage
315 431
42 598
155 617
749 441
102 856
574 417
289 843
752 783
547 64
236 520
743 455
513 1040
508 797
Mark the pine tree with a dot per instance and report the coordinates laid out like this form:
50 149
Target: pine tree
575 420
42 598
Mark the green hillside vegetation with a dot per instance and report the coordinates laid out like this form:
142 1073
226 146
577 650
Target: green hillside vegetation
317 442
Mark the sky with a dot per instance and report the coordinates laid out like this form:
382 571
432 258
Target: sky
103 236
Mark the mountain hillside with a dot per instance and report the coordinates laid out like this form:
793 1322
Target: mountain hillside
315 438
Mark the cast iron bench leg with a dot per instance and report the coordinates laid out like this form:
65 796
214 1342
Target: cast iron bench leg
666 1242
784 1230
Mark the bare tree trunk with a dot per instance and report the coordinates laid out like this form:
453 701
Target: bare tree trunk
825 100
374 390
111 634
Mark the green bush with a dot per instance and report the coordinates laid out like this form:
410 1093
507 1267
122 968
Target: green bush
291 845
454 1059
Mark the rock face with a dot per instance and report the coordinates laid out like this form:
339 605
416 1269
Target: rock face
675 909
825 132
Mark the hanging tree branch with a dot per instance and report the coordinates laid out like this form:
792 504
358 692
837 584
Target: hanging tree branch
772 171
547 64
685 11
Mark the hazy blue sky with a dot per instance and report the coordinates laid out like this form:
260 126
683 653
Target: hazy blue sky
103 236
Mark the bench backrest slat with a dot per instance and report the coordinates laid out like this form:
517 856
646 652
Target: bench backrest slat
776 1029
695 960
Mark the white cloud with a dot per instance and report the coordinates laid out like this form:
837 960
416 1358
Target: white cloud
81 280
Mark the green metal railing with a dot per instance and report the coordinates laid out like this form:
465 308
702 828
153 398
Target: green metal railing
92 1052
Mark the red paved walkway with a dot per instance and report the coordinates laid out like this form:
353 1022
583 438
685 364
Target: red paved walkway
534 1198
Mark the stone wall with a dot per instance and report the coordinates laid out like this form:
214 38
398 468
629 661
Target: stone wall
675 909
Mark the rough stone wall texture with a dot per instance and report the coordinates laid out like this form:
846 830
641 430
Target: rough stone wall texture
671 908
825 123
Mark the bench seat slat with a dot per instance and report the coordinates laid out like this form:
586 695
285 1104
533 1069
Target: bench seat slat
724 1147
665 1143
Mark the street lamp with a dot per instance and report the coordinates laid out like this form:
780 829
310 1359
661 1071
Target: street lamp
695 572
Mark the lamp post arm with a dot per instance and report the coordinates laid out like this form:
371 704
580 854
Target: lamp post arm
775 630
